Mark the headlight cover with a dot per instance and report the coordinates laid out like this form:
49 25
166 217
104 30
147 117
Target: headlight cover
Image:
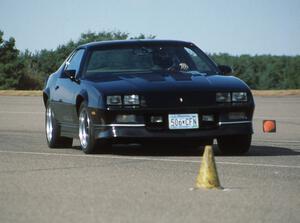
239 97
131 99
223 97
114 100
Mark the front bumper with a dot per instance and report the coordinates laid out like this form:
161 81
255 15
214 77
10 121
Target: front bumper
105 126
139 132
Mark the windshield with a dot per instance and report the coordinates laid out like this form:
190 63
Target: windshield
148 59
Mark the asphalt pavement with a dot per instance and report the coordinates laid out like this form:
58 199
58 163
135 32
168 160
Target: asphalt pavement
136 184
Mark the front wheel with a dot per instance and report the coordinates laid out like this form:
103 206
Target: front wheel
88 143
235 145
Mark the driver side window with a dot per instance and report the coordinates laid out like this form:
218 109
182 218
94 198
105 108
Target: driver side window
74 62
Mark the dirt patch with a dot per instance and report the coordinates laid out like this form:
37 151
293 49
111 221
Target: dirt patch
276 92
20 93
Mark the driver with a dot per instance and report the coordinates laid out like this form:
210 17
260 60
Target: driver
165 61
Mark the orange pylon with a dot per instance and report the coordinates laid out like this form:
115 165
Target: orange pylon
269 125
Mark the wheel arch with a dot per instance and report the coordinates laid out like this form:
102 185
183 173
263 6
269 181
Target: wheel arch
81 97
45 96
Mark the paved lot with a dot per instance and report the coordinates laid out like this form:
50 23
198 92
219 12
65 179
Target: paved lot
134 184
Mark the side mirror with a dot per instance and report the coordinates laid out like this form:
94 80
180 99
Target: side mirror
225 69
70 74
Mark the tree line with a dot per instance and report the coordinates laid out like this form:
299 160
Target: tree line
27 70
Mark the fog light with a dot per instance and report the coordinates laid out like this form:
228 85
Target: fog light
208 118
126 119
156 119
237 115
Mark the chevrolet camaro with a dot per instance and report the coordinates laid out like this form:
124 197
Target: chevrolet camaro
139 91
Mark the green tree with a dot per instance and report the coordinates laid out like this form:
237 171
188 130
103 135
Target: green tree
264 71
11 67
27 70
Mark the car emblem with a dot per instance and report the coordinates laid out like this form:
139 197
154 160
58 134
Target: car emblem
181 100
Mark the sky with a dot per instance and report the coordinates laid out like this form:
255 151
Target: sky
227 26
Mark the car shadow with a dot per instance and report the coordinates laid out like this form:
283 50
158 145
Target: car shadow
271 151
174 150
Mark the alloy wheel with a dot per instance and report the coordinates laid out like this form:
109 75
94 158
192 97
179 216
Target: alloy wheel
84 126
49 123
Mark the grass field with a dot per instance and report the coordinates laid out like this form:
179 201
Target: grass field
255 92
276 92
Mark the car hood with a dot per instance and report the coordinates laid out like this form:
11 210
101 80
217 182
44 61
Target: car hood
195 88
165 82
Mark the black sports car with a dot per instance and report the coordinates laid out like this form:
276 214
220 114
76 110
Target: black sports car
140 91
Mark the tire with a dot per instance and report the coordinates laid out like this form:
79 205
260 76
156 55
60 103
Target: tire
88 143
52 129
234 145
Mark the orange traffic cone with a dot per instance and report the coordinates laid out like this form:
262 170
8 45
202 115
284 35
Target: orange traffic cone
269 126
208 176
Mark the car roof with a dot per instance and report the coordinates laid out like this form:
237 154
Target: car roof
132 43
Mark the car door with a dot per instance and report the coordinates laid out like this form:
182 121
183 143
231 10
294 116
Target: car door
66 90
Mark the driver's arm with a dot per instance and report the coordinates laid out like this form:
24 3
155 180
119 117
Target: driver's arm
183 66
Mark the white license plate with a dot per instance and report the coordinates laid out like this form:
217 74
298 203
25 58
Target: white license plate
183 121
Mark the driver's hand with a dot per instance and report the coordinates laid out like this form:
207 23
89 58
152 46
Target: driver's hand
183 66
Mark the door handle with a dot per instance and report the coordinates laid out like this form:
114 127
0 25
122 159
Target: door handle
56 87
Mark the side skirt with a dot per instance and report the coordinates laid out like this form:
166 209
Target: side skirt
69 130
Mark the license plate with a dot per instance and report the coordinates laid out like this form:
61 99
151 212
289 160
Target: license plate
183 121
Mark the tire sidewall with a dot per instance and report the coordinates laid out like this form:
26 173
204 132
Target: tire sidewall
55 128
91 142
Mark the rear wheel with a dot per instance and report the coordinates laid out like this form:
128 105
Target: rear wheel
88 143
235 145
52 129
